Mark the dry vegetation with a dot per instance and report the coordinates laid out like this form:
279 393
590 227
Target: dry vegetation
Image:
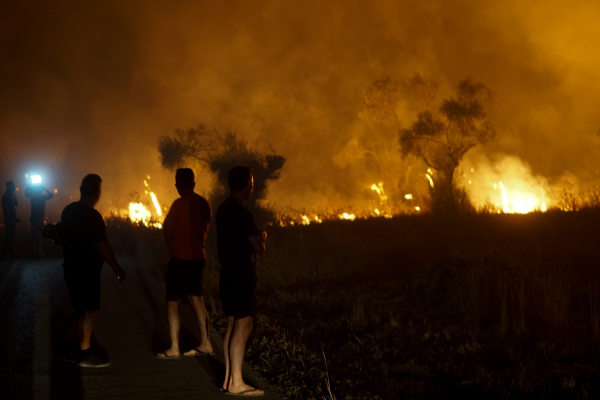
484 306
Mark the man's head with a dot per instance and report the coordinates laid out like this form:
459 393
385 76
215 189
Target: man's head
91 188
240 180
10 186
184 180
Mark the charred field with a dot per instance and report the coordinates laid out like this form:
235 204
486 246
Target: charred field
423 307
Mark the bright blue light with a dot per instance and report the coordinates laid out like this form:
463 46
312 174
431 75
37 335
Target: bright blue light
36 179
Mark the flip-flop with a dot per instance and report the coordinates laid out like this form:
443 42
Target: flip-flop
164 356
245 393
197 352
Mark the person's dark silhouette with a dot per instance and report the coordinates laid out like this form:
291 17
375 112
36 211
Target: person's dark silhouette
239 243
9 208
83 234
38 195
185 229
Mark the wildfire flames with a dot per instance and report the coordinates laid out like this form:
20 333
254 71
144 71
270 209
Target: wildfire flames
508 187
140 214
505 187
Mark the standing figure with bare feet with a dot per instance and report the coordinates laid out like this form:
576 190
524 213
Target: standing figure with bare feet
185 229
239 243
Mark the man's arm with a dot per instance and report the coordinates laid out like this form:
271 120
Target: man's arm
49 194
258 242
108 255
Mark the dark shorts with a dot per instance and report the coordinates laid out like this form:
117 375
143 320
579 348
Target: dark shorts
83 283
238 295
184 278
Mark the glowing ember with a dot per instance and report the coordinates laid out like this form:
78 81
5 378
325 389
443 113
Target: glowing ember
378 188
429 178
350 217
156 204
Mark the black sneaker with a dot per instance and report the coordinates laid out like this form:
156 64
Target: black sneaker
67 351
92 359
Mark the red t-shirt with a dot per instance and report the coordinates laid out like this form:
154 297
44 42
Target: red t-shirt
186 225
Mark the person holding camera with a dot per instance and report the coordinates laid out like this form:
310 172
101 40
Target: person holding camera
38 195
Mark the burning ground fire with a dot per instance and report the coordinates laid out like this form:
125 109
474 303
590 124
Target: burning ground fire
381 210
139 213
507 186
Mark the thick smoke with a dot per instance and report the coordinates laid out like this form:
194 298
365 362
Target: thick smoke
89 87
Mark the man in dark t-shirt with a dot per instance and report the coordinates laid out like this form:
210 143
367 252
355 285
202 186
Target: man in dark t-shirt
239 243
86 248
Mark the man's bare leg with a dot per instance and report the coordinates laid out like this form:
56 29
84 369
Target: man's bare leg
237 348
86 325
173 317
226 338
71 329
205 346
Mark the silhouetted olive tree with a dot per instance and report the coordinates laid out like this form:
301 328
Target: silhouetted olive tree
221 152
439 137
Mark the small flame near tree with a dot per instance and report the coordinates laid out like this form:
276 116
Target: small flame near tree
140 214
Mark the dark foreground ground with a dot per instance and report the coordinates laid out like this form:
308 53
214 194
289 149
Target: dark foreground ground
132 326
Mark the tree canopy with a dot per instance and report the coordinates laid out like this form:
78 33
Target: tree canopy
219 153
439 137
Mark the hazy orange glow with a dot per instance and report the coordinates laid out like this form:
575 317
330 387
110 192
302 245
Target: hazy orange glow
294 83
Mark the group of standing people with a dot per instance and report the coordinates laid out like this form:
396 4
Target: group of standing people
240 242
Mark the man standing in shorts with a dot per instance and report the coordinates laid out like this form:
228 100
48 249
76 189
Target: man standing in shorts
185 229
239 243
86 249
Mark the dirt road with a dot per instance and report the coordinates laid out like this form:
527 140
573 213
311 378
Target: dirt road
132 325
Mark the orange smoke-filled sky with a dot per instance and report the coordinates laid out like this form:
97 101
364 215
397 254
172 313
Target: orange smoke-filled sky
90 87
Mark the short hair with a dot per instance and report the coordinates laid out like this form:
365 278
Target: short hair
184 178
90 185
238 177
10 184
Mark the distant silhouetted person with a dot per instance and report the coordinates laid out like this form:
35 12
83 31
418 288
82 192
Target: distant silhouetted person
39 195
9 208
239 243
185 229
86 249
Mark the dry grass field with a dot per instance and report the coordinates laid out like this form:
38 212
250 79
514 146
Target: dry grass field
421 307
483 305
